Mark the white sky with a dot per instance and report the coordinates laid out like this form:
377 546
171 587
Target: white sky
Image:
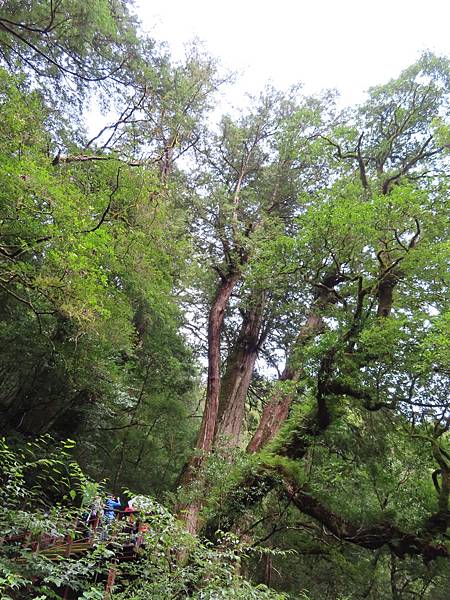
344 44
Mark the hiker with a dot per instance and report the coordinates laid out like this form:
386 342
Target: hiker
130 521
130 511
112 505
94 516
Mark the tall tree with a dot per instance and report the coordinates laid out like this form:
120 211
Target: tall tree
377 230
252 178
393 142
69 47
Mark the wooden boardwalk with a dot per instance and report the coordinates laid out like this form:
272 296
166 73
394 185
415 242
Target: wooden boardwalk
59 548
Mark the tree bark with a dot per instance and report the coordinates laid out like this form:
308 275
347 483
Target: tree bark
216 317
276 411
238 375
385 293
207 430
274 414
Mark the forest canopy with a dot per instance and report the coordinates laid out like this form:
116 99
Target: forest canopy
242 319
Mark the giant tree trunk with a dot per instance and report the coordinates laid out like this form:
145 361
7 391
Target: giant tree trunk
274 414
276 411
207 430
238 375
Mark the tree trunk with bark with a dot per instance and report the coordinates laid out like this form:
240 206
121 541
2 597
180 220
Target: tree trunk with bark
238 376
385 292
276 411
274 414
207 430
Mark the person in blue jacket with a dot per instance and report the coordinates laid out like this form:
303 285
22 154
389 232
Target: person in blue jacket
112 504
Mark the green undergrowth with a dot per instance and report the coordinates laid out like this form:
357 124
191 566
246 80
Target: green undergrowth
170 563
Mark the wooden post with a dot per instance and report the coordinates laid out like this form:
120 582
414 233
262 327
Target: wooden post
110 582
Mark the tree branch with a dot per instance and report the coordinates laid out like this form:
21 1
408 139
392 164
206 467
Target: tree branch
372 536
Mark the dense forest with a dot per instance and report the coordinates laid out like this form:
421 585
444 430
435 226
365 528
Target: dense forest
240 321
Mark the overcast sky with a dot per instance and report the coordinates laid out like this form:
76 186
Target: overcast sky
344 44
